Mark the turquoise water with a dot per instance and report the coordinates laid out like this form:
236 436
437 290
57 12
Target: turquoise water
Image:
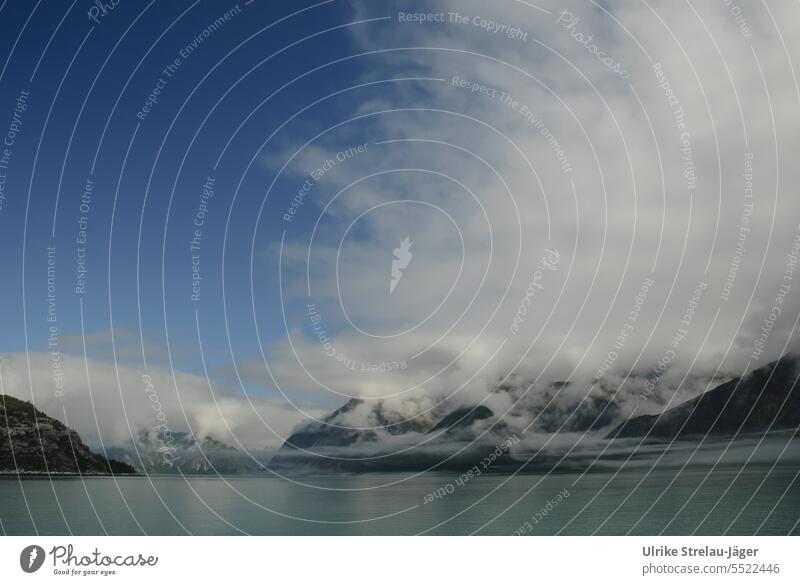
761 500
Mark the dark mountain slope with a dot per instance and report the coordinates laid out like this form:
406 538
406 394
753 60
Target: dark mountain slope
768 397
462 418
32 442
326 433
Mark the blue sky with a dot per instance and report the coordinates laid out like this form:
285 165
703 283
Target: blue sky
149 174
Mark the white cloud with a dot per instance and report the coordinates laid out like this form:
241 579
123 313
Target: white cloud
109 404
611 233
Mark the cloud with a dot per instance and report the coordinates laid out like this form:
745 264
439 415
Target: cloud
661 165
108 404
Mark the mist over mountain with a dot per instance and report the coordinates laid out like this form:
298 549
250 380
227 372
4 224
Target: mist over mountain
766 399
182 453
564 425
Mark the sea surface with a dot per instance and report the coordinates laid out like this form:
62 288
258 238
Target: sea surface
739 494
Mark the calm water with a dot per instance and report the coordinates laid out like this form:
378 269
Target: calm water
394 504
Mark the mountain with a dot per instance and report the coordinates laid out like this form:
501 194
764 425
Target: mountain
326 433
181 452
33 442
457 437
332 444
591 413
449 437
767 398
462 418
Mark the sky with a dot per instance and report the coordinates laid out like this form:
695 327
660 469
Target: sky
222 191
